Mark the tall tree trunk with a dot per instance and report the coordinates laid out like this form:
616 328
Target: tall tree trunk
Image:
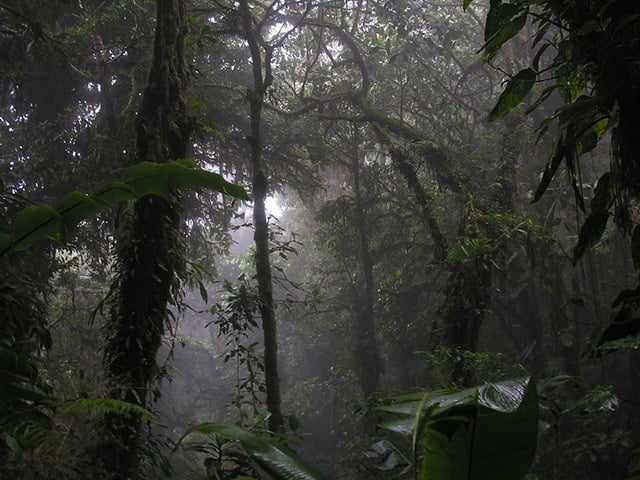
468 287
150 250
366 345
261 82
466 297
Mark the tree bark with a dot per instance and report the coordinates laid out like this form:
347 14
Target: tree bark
150 250
366 345
468 287
256 94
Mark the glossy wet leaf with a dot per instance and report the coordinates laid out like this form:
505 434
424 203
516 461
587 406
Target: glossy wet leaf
479 433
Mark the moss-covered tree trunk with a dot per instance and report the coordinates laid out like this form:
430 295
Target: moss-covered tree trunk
467 291
150 253
261 82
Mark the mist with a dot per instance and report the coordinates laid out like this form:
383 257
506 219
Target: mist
319 240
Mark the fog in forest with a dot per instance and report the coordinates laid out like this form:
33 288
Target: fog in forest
319 240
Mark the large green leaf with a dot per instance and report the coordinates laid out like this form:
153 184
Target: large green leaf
37 222
590 233
605 193
559 152
516 90
479 433
504 21
594 226
115 192
147 178
186 175
77 206
272 456
625 323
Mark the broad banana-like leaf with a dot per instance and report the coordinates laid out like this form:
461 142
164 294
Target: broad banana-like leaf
270 454
479 433
37 222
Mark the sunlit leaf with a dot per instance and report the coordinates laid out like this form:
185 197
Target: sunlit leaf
504 397
516 90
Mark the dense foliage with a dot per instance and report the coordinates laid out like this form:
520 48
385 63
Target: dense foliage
305 240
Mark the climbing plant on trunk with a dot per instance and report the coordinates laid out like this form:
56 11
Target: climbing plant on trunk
150 247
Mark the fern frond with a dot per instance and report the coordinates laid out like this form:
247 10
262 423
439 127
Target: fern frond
104 406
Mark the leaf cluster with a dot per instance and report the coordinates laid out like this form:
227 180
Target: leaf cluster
483 432
269 453
582 53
